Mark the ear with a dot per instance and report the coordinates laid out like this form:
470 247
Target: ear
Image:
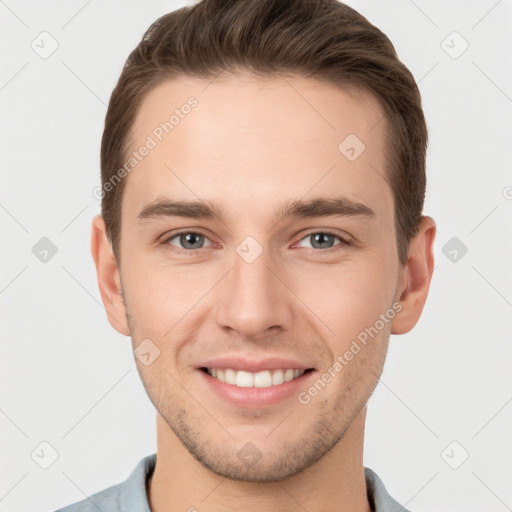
416 277
109 280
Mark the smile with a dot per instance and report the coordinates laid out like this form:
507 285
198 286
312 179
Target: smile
263 379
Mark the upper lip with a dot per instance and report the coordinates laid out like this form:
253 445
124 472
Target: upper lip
254 365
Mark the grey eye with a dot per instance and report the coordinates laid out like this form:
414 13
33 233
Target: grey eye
321 240
189 240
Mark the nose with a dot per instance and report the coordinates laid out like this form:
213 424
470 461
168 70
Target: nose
255 300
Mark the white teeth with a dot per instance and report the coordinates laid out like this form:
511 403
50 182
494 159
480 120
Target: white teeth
277 377
263 379
230 376
289 375
244 379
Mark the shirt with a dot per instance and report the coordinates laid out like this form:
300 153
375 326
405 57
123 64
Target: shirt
131 495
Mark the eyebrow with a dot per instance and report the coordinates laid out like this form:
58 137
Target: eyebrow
295 209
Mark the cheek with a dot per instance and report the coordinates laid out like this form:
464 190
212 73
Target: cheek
159 296
347 297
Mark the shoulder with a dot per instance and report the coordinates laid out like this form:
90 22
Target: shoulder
106 500
122 496
378 496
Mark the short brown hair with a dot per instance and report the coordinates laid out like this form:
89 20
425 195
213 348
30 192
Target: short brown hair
321 39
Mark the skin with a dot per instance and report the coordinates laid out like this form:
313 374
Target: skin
250 145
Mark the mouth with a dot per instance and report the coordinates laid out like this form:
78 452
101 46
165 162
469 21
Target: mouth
261 379
252 383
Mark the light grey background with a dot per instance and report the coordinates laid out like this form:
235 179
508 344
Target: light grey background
69 379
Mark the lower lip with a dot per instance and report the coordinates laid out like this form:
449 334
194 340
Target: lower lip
256 397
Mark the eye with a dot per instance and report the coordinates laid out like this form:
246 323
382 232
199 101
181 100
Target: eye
323 240
190 241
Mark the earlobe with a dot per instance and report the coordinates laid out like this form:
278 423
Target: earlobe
416 277
107 272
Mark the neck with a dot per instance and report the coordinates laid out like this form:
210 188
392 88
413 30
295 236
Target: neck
335 482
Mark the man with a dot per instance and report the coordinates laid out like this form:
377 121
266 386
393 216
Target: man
261 236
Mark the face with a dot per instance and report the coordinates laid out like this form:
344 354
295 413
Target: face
287 258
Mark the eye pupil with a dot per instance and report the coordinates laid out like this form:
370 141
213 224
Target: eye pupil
191 239
321 239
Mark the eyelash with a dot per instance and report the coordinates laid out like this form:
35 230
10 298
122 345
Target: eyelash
192 252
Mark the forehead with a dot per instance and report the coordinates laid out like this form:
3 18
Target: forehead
250 141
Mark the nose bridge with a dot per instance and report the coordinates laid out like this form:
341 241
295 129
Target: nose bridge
254 297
